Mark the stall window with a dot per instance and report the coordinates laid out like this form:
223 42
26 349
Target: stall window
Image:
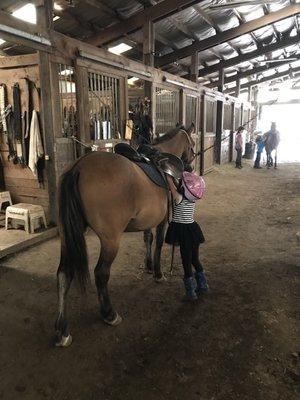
191 110
210 116
104 99
227 117
167 110
67 94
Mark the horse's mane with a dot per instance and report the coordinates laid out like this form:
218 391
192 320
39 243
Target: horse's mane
168 135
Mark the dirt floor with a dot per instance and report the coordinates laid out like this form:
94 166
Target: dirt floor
239 342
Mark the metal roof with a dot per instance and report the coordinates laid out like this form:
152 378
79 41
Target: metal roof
85 18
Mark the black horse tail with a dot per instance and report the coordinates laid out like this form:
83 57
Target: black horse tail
72 225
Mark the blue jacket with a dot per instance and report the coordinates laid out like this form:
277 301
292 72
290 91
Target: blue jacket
260 146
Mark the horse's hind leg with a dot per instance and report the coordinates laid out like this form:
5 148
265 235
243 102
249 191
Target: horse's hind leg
62 333
160 235
148 239
109 250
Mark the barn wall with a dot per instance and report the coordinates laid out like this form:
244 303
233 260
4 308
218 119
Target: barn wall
20 181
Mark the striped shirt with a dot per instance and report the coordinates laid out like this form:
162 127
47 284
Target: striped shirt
183 213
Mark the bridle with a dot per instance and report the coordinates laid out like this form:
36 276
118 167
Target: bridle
191 151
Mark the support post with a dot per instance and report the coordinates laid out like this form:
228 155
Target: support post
237 86
194 71
82 99
148 43
220 117
148 59
203 132
182 107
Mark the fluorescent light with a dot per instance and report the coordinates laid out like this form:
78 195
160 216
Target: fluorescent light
120 48
56 18
2 41
26 13
66 72
131 81
57 7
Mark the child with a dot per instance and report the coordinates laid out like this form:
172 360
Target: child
239 147
186 233
260 147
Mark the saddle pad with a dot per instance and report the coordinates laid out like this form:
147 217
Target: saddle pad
153 173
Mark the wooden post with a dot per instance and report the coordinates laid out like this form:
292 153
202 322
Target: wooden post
231 132
182 107
47 119
82 99
237 86
194 71
220 117
47 75
148 43
203 132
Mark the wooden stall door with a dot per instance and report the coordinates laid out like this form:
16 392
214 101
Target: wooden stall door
227 126
167 110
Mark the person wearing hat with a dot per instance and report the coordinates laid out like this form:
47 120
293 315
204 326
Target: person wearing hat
260 143
185 232
239 143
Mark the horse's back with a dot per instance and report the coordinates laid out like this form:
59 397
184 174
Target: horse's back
117 193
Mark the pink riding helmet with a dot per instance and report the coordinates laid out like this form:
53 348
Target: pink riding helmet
194 186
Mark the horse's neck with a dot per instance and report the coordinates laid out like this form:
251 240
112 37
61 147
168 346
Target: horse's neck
173 146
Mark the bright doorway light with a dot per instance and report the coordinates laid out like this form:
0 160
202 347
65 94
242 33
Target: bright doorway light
120 48
26 13
66 72
131 81
57 7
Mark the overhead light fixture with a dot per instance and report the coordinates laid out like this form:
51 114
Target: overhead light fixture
131 80
181 84
26 13
117 64
57 7
2 41
236 4
56 18
119 48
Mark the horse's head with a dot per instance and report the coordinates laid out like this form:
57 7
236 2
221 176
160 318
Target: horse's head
188 154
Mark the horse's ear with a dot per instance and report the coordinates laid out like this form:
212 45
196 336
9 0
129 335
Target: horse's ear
191 129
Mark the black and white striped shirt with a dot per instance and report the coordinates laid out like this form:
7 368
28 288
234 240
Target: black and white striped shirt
183 213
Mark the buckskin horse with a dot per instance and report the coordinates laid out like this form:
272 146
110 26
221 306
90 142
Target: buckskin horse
111 195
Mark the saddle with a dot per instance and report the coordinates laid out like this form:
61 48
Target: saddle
153 162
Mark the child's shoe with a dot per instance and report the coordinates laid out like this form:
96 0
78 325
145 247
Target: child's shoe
202 285
190 289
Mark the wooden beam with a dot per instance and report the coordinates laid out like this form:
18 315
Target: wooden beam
250 56
266 79
230 34
17 31
194 67
254 71
148 43
155 13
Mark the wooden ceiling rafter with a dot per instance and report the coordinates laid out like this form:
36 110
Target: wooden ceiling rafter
230 34
286 42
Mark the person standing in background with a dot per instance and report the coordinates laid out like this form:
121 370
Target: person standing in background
260 143
239 143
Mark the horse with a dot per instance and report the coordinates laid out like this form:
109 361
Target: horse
111 195
271 144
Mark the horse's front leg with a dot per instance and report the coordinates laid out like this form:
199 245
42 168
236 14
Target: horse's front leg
159 240
148 240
